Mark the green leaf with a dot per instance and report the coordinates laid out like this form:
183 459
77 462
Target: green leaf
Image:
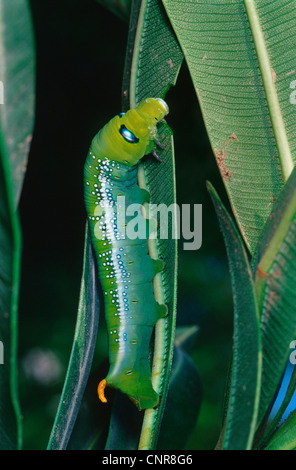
10 250
275 272
16 120
121 436
285 436
241 59
17 76
81 356
152 66
271 425
183 403
244 388
91 426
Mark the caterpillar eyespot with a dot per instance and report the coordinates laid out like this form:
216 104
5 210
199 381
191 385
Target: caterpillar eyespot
125 268
128 135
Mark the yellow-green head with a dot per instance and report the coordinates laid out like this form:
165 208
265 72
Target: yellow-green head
130 136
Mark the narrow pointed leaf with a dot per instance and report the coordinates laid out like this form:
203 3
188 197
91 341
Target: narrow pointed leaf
285 436
183 403
16 121
152 65
17 87
81 356
275 273
275 421
242 62
244 387
121 436
10 249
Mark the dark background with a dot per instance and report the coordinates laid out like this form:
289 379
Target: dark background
80 51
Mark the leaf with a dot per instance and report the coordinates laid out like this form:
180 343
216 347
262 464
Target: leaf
285 437
10 250
121 436
16 120
244 388
17 75
91 427
241 59
152 66
275 271
183 403
280 409
81 355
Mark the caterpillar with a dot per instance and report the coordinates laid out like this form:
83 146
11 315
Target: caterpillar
125 268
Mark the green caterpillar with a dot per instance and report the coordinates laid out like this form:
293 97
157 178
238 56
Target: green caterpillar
125 268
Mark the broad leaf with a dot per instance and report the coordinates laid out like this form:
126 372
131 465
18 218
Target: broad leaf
242 62
244 387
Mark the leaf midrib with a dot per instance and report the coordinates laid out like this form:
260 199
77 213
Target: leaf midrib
276 117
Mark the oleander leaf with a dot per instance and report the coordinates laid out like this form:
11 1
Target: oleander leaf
10 253
152 65
242 62
17 75
274 269
16 122
285 437
81 356
244 387
183 403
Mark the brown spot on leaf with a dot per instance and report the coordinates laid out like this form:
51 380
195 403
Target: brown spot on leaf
272 200
233 137
220 157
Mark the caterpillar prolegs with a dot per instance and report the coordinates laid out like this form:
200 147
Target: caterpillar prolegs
125 268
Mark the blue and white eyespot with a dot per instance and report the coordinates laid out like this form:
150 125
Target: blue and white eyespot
121 114
128 135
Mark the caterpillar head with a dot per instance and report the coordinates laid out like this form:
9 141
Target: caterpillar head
129 136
